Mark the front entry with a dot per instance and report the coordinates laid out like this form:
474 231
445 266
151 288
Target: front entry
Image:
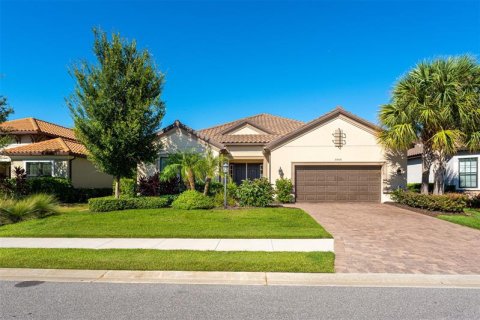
242 171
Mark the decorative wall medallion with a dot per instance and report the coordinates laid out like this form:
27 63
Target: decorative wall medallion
339 138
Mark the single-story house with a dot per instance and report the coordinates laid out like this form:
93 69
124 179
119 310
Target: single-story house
46 149
461 169
335 157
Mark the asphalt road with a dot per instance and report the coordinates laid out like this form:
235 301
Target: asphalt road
48 300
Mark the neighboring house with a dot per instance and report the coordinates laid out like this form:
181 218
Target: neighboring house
47 149
335 157
461 169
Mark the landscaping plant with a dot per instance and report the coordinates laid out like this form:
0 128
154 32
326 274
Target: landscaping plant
450 202
116 106
192 199
284 189
115 204
35 206
255 193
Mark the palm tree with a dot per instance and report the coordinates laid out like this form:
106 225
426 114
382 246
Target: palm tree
210 168
435 104
186 164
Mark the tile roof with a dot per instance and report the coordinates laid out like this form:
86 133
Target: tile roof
57 146
36 126
415 151
273 126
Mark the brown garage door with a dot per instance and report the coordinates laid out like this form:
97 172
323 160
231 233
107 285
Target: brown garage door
337 183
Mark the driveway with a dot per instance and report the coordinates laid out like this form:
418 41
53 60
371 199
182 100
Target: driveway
378 238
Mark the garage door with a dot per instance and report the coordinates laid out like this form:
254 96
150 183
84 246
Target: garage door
338 183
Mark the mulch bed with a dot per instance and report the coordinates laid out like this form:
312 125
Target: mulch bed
424 211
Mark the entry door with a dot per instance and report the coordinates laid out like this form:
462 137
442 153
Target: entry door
253 171
239 172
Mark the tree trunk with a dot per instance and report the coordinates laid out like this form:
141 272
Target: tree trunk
117 187
207 185
439 176
426 165
191 179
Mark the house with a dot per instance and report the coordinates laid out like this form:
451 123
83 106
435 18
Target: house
461 170
46 149
335 157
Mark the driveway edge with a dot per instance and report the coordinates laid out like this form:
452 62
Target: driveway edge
243 278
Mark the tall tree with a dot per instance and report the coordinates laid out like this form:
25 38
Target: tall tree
116 106
435 104
5 111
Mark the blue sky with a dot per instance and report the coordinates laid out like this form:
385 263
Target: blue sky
225 59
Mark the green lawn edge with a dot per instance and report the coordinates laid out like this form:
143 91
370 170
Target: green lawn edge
178 260
252 223
472 220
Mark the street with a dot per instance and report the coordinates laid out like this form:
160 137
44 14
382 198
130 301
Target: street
50 300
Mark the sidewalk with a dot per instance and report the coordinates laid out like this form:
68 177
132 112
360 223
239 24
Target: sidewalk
271 245
244 278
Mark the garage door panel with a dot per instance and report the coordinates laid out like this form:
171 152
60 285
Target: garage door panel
338 183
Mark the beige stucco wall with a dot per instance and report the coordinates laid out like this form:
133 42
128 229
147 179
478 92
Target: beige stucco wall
85 175
176 140
248 129
246 152
316 147
60 164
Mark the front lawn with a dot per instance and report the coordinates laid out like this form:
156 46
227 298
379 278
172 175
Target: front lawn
171 223
124 259
472 220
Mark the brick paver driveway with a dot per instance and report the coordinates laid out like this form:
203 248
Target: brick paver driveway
377 238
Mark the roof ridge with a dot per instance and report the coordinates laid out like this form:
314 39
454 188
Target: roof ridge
34 123
64 145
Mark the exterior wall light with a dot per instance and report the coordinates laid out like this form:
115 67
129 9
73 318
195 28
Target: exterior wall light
280 172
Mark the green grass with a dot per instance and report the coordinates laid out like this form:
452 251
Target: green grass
171 223
472 220
125 259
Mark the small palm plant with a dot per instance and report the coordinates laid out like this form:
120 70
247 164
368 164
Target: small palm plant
188 165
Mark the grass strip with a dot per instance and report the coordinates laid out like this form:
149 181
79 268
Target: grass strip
180 260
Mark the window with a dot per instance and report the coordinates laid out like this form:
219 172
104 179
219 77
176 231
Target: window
39 169
162 163
261 170
468 172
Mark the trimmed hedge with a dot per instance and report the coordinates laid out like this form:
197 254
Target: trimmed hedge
112 204
191 200
450 202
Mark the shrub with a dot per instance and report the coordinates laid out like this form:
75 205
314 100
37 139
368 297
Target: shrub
36 206
284 189
60 187
81 195
255 193
149 186
416 187
192 199
474 201
128 187
450 202
123 203
215 187
219 198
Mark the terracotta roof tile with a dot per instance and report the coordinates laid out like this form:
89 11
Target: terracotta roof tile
276 126
36 126
415 151
57 146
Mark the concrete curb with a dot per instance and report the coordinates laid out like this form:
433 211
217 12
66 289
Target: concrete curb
243 278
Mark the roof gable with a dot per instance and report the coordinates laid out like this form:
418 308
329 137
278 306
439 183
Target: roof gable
335 113
269 127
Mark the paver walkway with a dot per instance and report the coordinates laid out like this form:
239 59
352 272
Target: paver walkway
379 238
304 245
